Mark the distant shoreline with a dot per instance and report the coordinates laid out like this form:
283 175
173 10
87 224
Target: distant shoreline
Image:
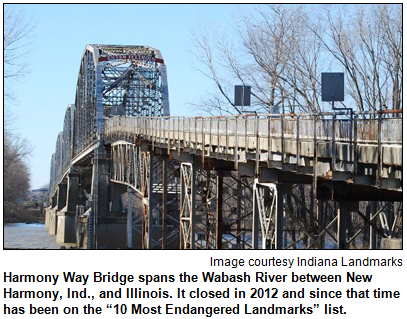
27 216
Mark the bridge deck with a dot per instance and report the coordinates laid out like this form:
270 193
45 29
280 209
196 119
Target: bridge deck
342 149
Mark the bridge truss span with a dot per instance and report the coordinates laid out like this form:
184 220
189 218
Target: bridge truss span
113 80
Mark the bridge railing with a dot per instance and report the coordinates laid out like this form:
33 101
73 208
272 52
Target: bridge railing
249 131
288 126
392 130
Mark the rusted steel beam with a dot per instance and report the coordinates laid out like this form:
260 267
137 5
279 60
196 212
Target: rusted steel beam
379 152
399 111
219 211
164 203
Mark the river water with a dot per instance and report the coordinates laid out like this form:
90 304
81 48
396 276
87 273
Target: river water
35 236
28 236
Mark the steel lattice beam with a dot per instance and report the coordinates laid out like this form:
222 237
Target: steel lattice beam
267 209
187 206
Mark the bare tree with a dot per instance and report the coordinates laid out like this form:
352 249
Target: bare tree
18 33
274 52
17 40
16 177
281 50
16 150
366 40
389 20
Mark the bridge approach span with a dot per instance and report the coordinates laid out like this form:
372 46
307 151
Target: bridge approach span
126 174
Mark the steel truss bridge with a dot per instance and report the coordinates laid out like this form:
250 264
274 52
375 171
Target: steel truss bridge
127 174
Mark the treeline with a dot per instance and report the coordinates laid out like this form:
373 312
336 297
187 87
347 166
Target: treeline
17 38
16 171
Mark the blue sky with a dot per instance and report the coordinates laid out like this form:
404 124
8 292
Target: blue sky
61 34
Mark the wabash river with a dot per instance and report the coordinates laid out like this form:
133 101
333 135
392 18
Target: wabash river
28 236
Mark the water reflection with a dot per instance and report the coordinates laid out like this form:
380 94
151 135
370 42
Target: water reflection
24 236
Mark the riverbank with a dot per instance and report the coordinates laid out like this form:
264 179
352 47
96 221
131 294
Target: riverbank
27 216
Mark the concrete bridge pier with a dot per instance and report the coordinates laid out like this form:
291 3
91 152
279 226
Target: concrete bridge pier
110 222
116 203
60 205
81 184
53 203
115 223
66 230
